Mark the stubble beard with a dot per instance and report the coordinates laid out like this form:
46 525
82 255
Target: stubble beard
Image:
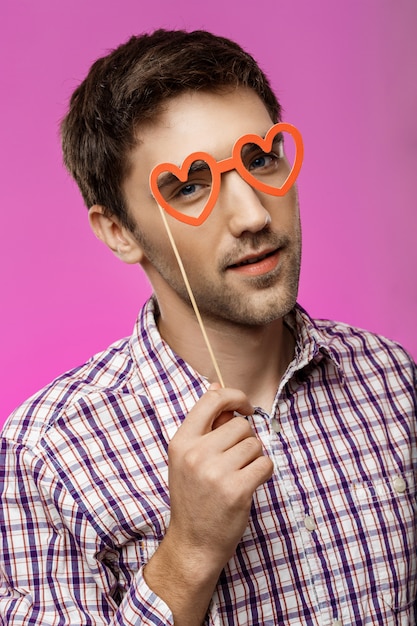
270 296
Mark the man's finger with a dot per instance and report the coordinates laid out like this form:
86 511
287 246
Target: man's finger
211 407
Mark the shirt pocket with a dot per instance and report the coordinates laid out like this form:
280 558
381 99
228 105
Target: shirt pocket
387 515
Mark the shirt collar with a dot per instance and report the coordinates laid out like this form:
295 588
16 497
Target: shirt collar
312 342
159 365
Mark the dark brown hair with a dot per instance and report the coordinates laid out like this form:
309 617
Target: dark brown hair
128 87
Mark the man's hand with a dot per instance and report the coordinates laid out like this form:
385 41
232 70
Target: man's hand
215 465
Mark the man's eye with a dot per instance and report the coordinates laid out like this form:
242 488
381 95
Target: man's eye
191 191
188 190
264 161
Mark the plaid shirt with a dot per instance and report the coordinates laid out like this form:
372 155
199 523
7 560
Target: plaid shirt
331 537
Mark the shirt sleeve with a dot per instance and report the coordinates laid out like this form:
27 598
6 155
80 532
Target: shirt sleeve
46 575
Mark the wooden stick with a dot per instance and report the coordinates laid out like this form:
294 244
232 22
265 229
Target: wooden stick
191 296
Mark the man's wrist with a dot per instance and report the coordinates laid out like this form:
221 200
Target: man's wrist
184 578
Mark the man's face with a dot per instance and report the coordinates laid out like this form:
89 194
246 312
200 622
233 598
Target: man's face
245 224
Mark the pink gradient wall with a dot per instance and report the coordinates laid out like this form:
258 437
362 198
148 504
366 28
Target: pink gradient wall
346 73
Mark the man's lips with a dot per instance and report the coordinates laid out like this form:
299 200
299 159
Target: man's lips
252 258
257 263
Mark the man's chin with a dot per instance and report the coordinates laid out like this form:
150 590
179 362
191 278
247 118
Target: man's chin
249 312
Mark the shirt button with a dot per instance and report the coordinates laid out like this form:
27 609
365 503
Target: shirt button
400 485
309 523
275 425
337 623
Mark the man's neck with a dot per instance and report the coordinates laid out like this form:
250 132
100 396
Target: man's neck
250 358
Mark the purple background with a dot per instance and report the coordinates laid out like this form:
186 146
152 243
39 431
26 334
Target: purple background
346 74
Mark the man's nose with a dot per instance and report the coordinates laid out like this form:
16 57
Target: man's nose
242 205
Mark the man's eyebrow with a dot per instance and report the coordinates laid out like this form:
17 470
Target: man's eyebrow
168 178
252 146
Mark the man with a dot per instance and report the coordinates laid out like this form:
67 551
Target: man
140 489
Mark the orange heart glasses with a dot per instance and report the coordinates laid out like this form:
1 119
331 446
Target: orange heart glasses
189 192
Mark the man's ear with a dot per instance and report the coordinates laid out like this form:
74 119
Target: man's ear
118 238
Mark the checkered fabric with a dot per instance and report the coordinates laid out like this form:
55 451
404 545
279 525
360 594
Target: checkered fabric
331 538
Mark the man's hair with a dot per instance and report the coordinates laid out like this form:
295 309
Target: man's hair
129 87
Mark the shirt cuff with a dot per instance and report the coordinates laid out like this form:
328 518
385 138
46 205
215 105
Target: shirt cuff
142 606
